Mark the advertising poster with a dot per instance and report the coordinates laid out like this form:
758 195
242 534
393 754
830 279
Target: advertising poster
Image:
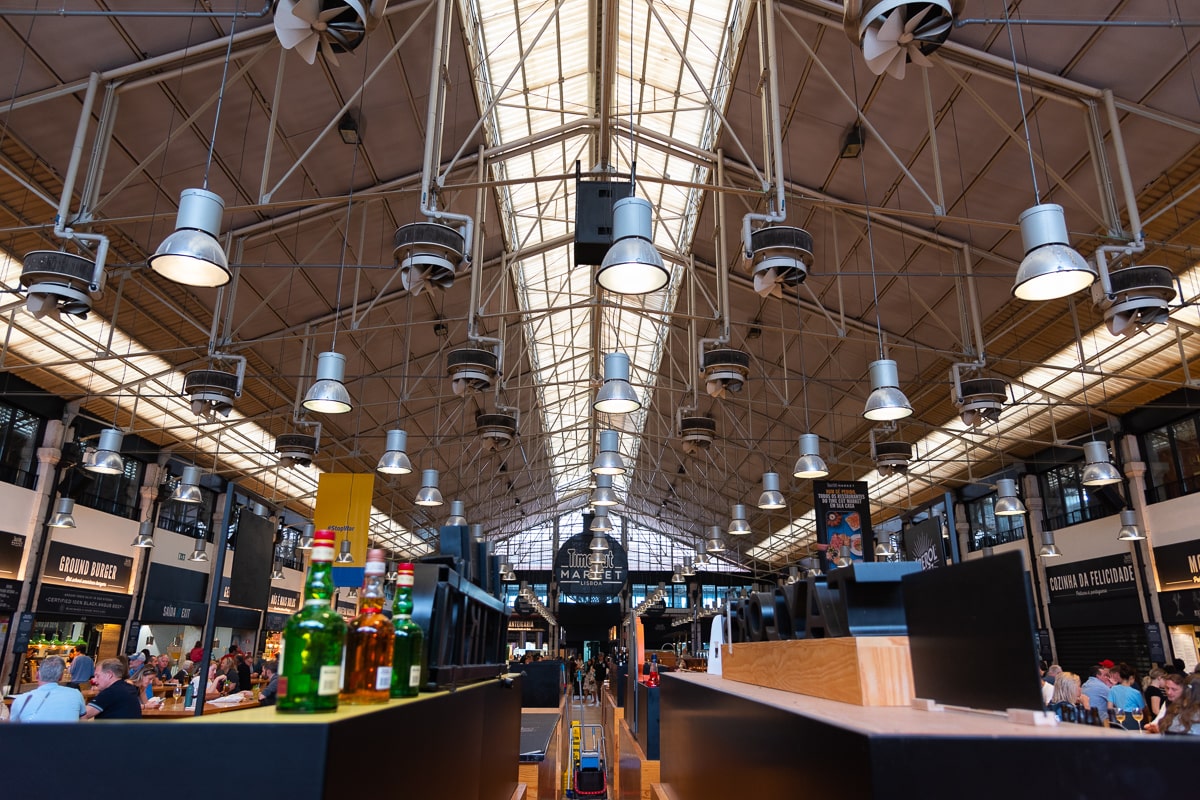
344 507
571 567
923 543
843 517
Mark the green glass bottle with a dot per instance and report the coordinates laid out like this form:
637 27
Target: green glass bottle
313 641
408 649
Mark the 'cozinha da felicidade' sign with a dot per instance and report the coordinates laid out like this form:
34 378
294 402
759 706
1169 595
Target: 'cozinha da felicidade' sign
571 567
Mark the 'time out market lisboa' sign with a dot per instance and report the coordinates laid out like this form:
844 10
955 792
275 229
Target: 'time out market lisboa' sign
571 567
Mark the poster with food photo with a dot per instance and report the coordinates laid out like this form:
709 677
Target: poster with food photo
843 512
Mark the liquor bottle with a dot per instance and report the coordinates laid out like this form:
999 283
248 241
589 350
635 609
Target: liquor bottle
408 649
368 675
313 641
652 676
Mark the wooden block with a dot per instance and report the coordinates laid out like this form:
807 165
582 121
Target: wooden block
661 791
520 793
636 773
864 670
527 776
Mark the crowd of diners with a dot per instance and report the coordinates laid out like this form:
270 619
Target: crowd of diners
1166 700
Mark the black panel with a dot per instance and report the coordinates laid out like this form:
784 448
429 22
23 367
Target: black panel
541 685
1080 648
971 634
250 580
175 583
648 714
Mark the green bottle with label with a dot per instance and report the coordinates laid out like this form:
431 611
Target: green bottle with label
314 640
408 649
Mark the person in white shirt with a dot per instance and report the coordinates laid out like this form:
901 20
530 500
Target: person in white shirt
49 702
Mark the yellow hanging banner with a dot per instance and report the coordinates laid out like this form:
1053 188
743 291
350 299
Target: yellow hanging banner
344 506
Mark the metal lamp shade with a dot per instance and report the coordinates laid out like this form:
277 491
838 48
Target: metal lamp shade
191 255
305 542
277 572
188 490
843 559
713 542
688 569
429 495
1049 548
394 460
771 498
632 264
458 513
1097 469
145 534
1129 530
886 401
200 553
810 464
107 460
616 396
608 459
883 549
1007 502
597 559
600 522
603 495
328 393
738 524
344 555
1051 268
64 514
599 543
677 575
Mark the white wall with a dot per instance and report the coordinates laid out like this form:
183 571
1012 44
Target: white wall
173 549
1090 540
1173 521
16 506
1019 547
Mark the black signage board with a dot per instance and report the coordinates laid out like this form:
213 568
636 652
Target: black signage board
1154 643
10 594
23 633
571 567
68 565
923 544
1178 565
1181 607
1105 578
245 619
250 576
843 517
132 636
177 584
283 601
12 546
1043 644
158 609
274 621
84 603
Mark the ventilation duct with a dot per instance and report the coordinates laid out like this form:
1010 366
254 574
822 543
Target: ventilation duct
427 254
296 449
213 391
725 371
496 430
471 368
60 283
780 256
891 458
697 434
1141 297
980 400
333 26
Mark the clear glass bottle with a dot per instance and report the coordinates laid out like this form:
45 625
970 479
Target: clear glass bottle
368 677
408 649
311 648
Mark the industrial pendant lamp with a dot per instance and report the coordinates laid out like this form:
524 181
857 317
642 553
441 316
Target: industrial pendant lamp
1051 267
843 558
701 556
1097 469
616 396
458 513
632 264
600 522
429 495
771 498
394 460
200 553
886 401
188 490
1007 502
276 572
1049 548
191 255
64 514
608 459
305 542
677 574
328 393
145 534
599 543
713 542
344 555
603 495
107 459
1129 530
738 524
810 464
883 549
688 568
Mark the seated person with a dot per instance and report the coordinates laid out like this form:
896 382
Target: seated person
118 699
269 690
162 669
184 674
49 702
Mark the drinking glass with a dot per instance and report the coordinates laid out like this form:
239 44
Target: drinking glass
1137 716
177 692
1121 717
